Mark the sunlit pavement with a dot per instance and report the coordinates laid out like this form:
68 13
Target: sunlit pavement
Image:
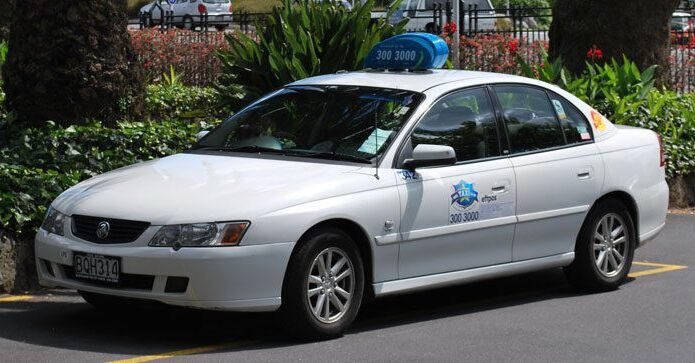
533 317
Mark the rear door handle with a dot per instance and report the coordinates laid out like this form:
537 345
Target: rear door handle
499 189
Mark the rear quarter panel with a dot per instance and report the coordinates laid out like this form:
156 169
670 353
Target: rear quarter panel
631 157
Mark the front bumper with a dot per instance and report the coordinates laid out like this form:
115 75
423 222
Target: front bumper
242 278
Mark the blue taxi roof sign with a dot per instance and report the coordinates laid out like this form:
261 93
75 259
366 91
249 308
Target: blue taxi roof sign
411 51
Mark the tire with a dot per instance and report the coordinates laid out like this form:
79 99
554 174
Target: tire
432 29
589 271
299 303
221 28
188 23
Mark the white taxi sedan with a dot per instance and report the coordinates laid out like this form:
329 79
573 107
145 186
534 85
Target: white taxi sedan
364 184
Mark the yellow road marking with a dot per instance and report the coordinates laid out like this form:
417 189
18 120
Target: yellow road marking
660 268
198 350
15 298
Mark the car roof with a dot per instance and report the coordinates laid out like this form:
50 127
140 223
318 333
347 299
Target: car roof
410 81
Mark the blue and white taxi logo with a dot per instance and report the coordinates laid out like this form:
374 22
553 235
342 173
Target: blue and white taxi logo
464 195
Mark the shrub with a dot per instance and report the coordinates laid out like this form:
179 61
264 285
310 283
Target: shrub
36 164
498 53
192 54
181 102
673 117
299 41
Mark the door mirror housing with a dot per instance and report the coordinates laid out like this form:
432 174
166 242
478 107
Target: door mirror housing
201 135
425 155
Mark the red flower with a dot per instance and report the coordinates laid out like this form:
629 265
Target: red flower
599 54
513 46
450 28
594 53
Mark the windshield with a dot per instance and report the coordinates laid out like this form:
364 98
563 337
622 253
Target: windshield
216 1
331 122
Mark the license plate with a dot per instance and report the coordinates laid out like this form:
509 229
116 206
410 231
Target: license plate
97 267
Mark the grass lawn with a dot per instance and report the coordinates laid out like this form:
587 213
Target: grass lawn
254 6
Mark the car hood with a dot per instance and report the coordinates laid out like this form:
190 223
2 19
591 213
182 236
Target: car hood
190 188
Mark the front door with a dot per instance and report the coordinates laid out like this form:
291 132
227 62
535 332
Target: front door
461 216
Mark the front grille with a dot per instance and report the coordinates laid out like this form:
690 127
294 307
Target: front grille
121 231
129 281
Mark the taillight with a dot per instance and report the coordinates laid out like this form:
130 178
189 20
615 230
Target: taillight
662 154
202 9
230 7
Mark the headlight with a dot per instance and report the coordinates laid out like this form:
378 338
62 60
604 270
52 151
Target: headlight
199 235
54 221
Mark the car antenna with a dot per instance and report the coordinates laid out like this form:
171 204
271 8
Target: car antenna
376 142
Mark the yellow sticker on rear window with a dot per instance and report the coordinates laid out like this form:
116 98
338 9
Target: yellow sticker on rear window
599 124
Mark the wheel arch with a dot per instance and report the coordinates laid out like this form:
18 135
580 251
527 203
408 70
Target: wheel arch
361 238
627 200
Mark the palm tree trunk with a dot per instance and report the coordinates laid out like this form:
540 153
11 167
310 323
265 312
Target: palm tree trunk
70 61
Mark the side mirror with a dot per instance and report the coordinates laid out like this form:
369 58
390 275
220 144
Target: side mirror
430 155
201 135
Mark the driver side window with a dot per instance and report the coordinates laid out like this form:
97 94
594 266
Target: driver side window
464 120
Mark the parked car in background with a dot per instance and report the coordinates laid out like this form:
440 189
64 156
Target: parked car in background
187 12
682 28
421 15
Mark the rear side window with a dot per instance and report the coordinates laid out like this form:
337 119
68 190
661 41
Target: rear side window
529 118
574 124
464 120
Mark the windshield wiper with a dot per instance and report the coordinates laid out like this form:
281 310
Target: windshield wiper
241 149
336 156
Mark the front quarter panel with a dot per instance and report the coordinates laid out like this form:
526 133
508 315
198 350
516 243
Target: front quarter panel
369 208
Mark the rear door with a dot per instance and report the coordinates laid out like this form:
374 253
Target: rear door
558 169
460 216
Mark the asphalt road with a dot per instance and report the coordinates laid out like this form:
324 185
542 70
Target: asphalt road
534 317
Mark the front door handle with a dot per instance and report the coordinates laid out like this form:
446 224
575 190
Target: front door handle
501 186
584 173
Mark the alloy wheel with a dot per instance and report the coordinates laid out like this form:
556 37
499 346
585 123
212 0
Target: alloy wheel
610 245
330 285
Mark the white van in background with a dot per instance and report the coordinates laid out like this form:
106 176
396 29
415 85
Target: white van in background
421 15
187 12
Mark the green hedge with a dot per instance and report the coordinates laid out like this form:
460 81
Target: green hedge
37 164
167 101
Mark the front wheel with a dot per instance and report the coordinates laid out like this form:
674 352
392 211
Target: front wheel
604 249
323 286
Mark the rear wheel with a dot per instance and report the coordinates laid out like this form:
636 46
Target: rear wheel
221 28
323 286
604 249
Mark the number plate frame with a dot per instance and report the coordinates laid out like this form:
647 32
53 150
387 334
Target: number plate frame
96 267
